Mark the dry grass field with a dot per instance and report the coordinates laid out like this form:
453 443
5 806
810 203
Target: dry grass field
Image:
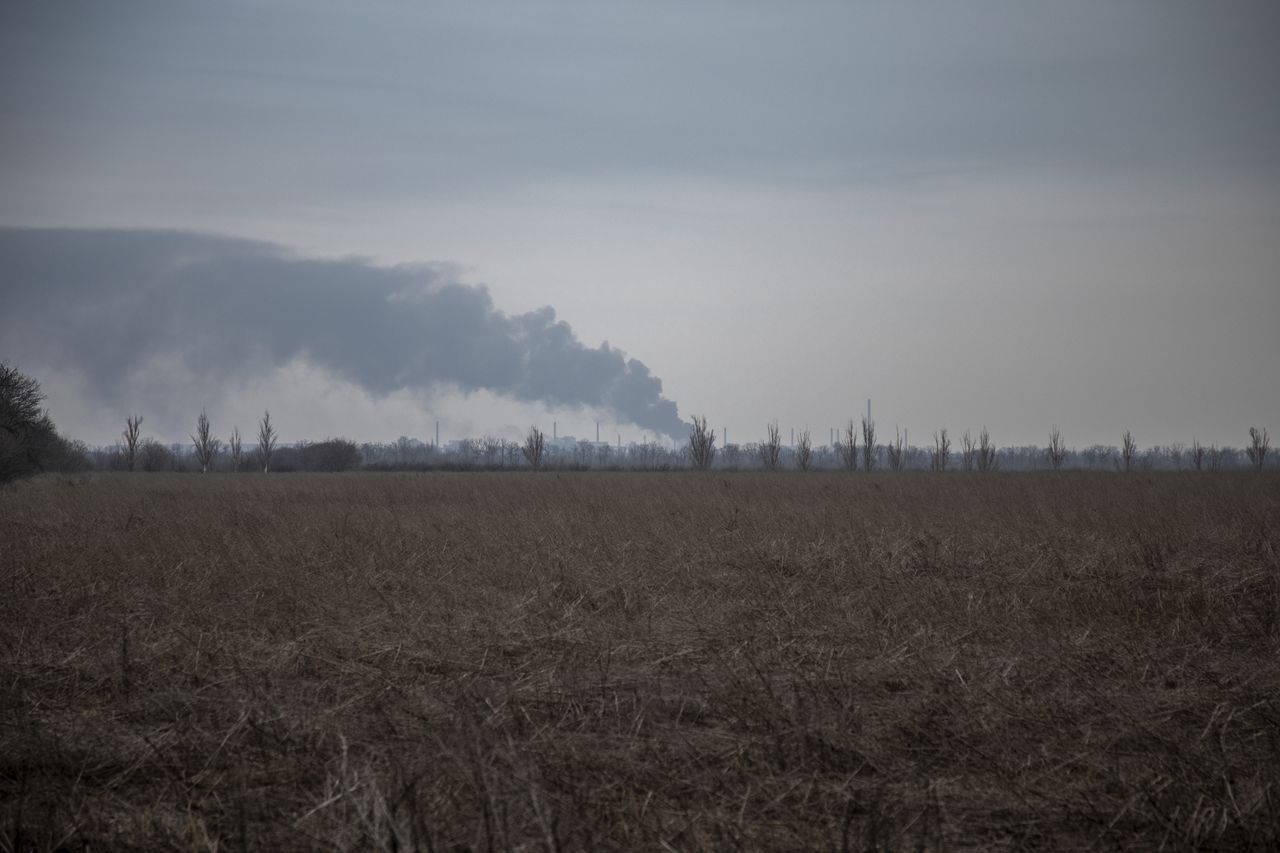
659 662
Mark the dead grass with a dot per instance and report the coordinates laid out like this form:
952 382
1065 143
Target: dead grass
586 661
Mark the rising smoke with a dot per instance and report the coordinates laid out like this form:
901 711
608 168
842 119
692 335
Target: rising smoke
111 303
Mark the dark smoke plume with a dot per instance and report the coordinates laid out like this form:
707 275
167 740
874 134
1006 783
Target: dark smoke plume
108 302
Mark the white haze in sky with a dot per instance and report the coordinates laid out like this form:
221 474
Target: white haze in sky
1003 213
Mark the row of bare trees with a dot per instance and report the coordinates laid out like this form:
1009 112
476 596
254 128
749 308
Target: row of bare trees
1198 455
205 444
978 454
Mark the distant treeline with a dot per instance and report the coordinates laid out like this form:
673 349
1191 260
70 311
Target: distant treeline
29 444
340 454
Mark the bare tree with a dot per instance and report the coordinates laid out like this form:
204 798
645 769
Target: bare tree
804 451
941 453
534 445
583 453
206 446
986 452
266 442
1215 457
702 444
897 459
968 450
491 450
771 448
177 453
28 440
20 399
233 444
847 447
1057 449
1196 454
1128 452
604 453
732 455
1259 444
868 444
132 436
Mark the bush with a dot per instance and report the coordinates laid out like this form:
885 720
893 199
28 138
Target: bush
333 454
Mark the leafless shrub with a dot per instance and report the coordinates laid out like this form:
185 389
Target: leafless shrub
237 451
154 456
941 453
804 451
535 444
331 455
1196 455
650 456
491 450
732 455
266 442
206 446
868 444
604 455
702 444
132 435
847 447
897 459
1259 444
986 452
1057 449
770 449
1128 452
968 451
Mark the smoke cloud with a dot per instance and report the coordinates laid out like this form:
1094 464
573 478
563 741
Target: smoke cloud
111 303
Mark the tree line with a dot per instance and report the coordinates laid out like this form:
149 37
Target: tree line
977 454
856 447
30 443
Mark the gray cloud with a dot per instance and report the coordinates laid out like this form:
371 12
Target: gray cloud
319 103
109 303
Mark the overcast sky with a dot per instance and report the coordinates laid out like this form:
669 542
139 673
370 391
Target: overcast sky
1004 213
